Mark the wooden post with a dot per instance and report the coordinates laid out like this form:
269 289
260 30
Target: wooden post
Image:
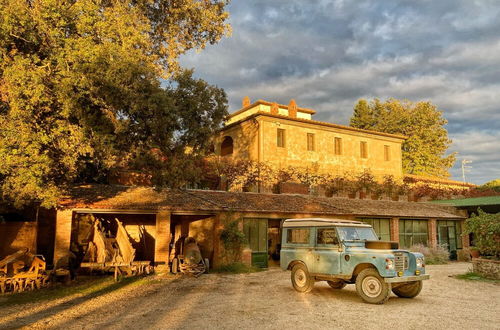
162 239
63 237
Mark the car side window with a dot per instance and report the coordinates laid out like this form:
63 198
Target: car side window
297 236
326 236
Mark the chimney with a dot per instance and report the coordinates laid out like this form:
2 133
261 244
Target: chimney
274 109
292 109
245 102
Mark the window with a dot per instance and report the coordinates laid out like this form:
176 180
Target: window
255 231
363 149
412 232
297 236
326 236
226 147
381 227
338 146
449 233
310 141
387 153
280 141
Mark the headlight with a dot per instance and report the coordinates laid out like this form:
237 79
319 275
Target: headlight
420 262
389 264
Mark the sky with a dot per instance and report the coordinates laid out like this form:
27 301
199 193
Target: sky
328 54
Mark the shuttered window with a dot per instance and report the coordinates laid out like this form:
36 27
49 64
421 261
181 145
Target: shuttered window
363 149
310 141
338 146
280 140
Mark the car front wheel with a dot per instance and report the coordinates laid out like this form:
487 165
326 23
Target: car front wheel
302 281
409 290
371 287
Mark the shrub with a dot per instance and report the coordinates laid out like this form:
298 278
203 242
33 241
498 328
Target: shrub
486 230
233 240
433 256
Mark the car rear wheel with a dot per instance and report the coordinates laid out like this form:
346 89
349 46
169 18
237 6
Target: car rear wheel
302 281
337 285
371 287
410 290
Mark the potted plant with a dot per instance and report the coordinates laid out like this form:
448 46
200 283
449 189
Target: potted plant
474 252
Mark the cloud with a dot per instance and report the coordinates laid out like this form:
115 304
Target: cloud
328 54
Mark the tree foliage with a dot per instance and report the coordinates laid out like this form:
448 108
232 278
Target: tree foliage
486 230
424 152
493 185
81 92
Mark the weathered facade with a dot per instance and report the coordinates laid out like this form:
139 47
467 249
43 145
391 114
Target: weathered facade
167 215
286 135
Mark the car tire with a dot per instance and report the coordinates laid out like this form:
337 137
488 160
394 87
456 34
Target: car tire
410 290
337 285
302 281
371 287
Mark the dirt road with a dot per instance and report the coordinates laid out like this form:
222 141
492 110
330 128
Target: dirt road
265 300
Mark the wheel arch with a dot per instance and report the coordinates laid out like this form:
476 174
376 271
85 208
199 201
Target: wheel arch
361 267
295 262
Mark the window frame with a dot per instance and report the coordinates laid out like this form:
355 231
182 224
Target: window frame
387 153
363 149
289 229
281 138
318 229
337 146
404 234
311 142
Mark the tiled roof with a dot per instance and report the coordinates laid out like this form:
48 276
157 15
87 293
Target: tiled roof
147 198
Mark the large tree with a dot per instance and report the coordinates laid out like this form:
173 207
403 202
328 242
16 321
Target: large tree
81 89
424 152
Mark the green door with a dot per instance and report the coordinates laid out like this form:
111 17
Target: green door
256 233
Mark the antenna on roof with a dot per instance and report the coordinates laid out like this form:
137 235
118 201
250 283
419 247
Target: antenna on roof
465 167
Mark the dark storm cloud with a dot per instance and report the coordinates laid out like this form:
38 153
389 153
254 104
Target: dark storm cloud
328 54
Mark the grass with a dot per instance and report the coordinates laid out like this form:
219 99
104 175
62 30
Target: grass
471 276
237 268
88 286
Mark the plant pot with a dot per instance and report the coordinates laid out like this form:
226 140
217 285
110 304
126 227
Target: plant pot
375 197
351 195
474 253
362 195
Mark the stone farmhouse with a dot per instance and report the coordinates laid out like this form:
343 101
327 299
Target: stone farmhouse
286 135
281 135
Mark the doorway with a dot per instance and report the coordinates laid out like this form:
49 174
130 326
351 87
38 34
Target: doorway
255 231
448 233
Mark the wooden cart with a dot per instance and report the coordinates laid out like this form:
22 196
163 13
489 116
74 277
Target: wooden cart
113 253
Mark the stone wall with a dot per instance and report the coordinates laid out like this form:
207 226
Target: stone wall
486 267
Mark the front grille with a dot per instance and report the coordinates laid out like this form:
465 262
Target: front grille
400 261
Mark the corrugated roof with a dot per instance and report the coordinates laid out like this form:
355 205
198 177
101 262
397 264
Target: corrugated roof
147 198
475 201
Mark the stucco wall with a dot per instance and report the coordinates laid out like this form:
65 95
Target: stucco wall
323 157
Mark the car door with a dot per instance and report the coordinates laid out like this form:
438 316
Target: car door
326 252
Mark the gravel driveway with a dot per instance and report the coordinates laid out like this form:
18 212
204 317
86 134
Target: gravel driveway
266 300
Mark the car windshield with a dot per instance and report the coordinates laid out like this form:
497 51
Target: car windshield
357 234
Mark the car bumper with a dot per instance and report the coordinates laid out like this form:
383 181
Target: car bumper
406 278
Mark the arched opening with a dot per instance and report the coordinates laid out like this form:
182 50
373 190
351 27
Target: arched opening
226 148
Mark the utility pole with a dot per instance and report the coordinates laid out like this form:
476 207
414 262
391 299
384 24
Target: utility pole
465 167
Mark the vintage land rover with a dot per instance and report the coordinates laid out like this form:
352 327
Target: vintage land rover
349 252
